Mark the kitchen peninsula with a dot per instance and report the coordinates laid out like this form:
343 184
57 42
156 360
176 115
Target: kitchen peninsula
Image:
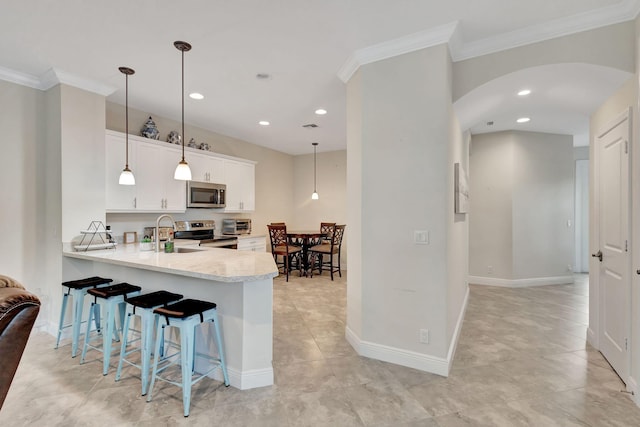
240 282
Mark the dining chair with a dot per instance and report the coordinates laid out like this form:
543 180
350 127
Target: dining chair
280 247
317 253
327 228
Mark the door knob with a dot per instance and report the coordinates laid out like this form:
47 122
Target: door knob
598 255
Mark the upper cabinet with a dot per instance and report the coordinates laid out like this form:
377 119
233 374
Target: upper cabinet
241 186
153 164
206 168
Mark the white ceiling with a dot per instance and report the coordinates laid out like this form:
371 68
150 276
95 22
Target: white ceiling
303 45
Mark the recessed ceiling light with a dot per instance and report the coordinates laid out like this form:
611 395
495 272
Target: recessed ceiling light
524 92
196 95
264 123
523 120
321 111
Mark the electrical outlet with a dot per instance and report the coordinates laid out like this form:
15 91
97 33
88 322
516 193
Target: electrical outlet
569 267
490 269
424 336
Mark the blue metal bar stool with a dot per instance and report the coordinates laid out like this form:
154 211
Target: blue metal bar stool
77 289
145 304
112 297
186 315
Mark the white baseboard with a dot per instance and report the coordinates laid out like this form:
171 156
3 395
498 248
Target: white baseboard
456 334
592 338
398 356
632 387
520 283
245 380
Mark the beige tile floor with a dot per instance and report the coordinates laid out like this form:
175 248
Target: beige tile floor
521 361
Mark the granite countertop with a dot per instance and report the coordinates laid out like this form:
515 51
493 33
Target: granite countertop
223 265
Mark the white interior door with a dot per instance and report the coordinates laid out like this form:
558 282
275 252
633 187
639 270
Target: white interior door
612 145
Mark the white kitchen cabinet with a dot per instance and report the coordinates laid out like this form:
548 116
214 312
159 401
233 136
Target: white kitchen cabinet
155 189
241 186
206 168
118 197
255 244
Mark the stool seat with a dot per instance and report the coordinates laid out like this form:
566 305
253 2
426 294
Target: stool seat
77 289
185 308
89 282
153 299
113 298
114 290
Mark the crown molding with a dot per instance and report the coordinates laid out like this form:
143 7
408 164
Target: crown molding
53 77
625 11
410 43
585 21
17 77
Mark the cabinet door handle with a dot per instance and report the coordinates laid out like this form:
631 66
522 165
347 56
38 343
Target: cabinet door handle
135 202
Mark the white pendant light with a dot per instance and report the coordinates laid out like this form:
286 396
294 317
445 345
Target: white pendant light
126 177
183 171
314 196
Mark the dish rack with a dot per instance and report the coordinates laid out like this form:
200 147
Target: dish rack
96 234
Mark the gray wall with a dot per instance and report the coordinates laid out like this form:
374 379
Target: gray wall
521 186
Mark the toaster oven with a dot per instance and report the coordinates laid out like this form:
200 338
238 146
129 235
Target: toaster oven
236 226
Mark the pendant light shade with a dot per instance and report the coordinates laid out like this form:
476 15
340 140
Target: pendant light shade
183 171
314 196
126 177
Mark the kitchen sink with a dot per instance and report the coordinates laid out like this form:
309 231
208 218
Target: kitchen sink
184 250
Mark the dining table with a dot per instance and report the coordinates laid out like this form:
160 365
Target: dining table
305 239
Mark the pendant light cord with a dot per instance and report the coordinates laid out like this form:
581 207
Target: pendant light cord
183 135
126 120
315 175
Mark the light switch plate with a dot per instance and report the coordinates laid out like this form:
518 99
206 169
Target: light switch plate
421 237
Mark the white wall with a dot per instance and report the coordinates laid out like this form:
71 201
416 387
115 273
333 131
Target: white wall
610 46
401 121
23 215
521 185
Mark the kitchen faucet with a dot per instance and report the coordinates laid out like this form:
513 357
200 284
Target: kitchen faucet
157 235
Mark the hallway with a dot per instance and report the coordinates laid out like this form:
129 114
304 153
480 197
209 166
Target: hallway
521 361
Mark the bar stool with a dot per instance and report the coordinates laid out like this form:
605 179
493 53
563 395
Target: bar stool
113 297
77 289
145 305
186 315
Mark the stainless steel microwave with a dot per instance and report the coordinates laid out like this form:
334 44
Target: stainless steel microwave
206 195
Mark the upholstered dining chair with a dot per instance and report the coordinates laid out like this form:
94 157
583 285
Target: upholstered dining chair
280 247
322 255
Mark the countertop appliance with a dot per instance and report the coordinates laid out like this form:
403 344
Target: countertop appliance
204 232
236 226
206 195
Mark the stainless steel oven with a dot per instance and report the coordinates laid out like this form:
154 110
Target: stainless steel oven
206 195
204 232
